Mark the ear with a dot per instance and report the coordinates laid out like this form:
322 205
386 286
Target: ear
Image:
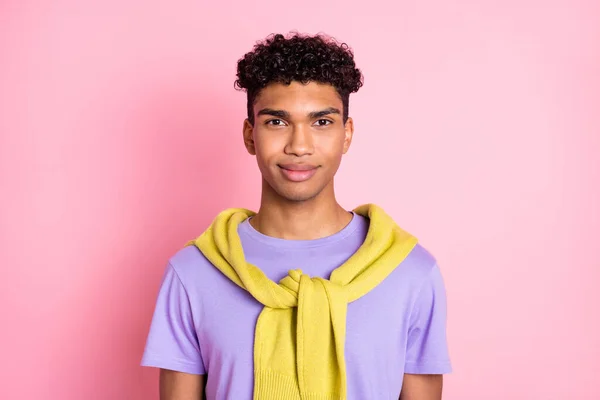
348 133
248 132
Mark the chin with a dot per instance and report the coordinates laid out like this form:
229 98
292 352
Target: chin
299 198
295 192
298 195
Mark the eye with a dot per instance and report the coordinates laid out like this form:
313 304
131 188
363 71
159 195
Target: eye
275 122
324 122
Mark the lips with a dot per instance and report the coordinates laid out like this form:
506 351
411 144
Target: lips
298 172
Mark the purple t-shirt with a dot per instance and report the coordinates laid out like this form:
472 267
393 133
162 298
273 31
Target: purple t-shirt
204 324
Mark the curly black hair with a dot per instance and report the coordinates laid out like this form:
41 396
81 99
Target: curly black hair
299 58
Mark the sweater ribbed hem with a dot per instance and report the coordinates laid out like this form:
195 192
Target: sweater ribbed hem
270 385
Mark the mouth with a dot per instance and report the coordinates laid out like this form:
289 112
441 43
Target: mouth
298 172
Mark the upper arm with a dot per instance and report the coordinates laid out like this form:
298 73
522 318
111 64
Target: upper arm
172 342
422 387
427 351
176 385
426 348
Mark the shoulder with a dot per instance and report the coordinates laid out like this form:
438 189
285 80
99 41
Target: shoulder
419 263
186 257
191 266
416 272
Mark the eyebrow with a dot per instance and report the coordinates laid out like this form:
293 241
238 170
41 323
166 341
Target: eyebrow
275 113
286 115
322 113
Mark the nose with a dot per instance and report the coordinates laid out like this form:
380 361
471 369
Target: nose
300 142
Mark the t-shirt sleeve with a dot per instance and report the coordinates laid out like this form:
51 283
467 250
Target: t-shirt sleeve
172 342
427 348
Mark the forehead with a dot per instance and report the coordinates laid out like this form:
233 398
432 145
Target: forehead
298 97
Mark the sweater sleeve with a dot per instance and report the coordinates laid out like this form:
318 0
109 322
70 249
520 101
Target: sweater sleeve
427 348
172 342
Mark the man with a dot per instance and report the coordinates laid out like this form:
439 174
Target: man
303 299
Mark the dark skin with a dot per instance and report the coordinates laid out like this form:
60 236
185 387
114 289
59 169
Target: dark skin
298 132
285 132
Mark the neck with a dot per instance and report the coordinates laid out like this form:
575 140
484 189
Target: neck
300 220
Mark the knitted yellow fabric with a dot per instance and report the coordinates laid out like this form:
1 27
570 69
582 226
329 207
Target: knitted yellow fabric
300 333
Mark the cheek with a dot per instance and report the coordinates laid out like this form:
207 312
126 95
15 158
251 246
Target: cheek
267 147
332 146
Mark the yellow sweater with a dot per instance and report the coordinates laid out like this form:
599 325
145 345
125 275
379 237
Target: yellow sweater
300 333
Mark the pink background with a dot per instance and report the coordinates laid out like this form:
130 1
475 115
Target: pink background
478 129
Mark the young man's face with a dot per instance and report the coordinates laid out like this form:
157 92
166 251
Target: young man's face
298 138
